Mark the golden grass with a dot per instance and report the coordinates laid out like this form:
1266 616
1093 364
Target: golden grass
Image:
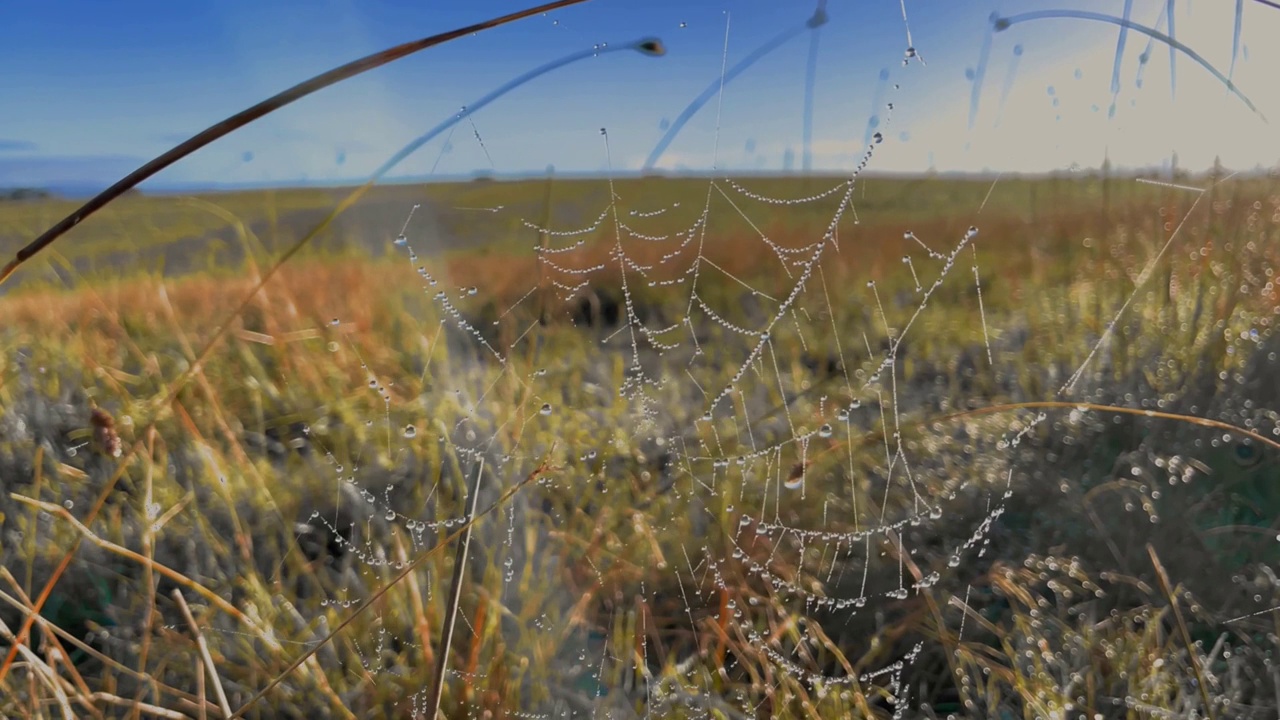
124 343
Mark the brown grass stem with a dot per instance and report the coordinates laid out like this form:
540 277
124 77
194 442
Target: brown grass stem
1095 407
451 606
84 647
1192 656
205 657
249 115
174 575
138 706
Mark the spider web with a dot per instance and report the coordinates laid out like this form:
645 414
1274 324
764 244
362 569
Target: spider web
709 384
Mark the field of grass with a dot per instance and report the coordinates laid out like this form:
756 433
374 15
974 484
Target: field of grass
719 454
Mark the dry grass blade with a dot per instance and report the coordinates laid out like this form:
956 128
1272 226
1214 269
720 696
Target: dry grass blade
1059 405
174 575
204 653
148 549
952 644
41 670
244 117
1056 405
63 564
408 570
451 609
420 624
95 654
137 706
1192 656
58 652
200 687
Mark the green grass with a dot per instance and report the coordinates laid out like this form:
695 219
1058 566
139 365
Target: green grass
629 572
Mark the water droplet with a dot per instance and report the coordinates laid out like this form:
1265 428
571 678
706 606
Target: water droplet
684 24
402 240
391 515
546 409
824 431
410 431
68 504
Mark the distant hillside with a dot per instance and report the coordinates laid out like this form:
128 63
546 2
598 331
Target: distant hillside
21 194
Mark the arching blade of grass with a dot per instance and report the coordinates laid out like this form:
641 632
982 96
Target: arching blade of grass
815 21
1000 24
1097 407
244 117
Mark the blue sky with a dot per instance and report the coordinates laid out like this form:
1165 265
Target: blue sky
92 88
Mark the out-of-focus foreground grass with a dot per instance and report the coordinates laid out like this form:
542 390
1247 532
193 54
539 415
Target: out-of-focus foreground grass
659 562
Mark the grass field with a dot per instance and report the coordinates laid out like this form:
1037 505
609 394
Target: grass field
729 451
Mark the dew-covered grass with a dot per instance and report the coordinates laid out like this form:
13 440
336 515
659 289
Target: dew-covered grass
948 498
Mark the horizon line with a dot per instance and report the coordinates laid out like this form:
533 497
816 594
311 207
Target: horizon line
73 189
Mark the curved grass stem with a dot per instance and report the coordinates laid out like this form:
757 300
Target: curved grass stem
249 115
